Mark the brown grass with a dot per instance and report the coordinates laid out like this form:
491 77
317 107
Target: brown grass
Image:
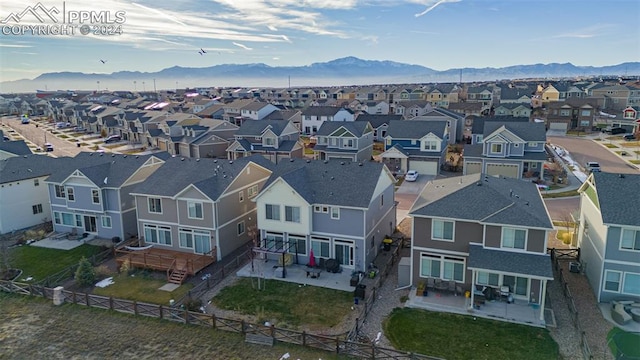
33 328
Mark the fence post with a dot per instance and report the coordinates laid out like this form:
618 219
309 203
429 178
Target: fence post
304 338
242 327
213 320
86 299
273 331
337 345
73 297
110 302
186 316
135 307
161 308
373 350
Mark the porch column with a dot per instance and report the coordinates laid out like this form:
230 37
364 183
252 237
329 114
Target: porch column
473 286
544 295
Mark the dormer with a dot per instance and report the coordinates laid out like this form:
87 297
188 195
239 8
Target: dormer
629 113
430 142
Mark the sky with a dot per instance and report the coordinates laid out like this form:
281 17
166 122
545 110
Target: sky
150 35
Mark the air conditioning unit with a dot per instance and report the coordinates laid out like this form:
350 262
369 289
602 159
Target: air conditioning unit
574 267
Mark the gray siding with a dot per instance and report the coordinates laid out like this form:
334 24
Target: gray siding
127 201
607 296
516 150
613 251
169 210
493 236
536 241
591 263
229 239
464 233
350 222
207 214
111 199
129 224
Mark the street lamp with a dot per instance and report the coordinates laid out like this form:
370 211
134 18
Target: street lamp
144 89
135 88
98 82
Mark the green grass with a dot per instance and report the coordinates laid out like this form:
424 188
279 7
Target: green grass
287 304
141 287
624 341
453 336
39 262
611 146
637 162
83 144
560 194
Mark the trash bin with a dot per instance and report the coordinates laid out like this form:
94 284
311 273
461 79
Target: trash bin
386 244
359 291
78 144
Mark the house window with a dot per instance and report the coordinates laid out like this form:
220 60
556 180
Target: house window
442 267
630 240
612 281
347 143
37 209
157 234
320 247
70 195
60 193
442 230
496 148
272 212
298 244
241 196
155 205
321 209
585 113
194 210
67 219
514 238
252 191
430 266
106 222
78 220
292 214
95 196
489 279
189 237
430 145
56 218
274 241
36 182
241 228
533 144
269 141
388 141
413 142
335 212
631 283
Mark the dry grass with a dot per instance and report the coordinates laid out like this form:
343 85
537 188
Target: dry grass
33 328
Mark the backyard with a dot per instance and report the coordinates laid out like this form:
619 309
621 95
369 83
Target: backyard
286 305
142 286
453 336
38 262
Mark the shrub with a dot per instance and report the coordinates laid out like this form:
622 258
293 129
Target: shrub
85 274
193 304
103 132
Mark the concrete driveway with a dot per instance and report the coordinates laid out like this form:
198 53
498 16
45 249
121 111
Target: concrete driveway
36 135
407 194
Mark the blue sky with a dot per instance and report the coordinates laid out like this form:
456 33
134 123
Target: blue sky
438 34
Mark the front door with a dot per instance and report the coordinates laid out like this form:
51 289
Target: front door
344 252
90 224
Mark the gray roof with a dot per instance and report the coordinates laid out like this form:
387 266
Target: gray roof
16 147
104 170
323 110
615 194
257 127
402 129
28 167
330 182
528 264
475 151
210 176
281 115
486 199
527 131
357 128
378 120
478 122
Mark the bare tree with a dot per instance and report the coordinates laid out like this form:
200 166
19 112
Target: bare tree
6 259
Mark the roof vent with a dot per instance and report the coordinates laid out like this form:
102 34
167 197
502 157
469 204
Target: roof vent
308 161
621 176
198 160
113 155
341 162
90 154
215 160
181 159
124 157
291 160
101 154
479 184
326 161
230 161
359 164
332 178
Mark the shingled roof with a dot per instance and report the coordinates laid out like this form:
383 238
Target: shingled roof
404 129
615 193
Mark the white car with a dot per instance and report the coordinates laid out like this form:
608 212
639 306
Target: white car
412 175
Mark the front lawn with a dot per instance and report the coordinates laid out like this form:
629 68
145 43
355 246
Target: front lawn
143 287
611 146
287 304
453 336
624 344
39 262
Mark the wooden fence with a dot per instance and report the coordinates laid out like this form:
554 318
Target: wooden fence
69 272
327 343
562 255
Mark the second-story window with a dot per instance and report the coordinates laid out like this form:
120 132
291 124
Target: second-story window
70 195
442 230
292 214
514 238
630 240
252 191
496 148
155 205
95 196
272 212
194 210
335 212
60 193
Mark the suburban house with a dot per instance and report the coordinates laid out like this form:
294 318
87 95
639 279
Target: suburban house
314 116
513 148
256 110
379 123
513 109
273 139
205 138
23 192
92 196
339 209
515 95
294 116
479 231
455 122
351 141
466 109
573 113
609 235
207 210
375 107
416 145
412 108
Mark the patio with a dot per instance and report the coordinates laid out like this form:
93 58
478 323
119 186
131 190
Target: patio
519 312
295 273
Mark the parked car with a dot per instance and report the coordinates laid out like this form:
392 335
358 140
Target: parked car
615 131
63 125
412 175
593 166
79 129
112 139
629 137
25 120
48 147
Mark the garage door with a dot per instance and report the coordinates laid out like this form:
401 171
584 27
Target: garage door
424 167
558 126
472 168
506 170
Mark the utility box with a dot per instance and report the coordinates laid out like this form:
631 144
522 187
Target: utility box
404 271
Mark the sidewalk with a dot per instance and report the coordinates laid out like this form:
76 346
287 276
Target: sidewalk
564 158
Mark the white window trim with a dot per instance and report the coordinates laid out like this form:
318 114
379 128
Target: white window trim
55 192
338 213
149 205
526 239
453 233
443 258
623 282
241 196
244 228
201 210
276 206
622 230
604 281
252 191
102 219
99 197
66 191
491 145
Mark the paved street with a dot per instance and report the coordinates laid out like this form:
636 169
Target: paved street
584 149
407 194
36 135
559 208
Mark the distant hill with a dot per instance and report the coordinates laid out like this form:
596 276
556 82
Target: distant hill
343 71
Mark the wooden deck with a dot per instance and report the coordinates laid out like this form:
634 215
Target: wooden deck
164 260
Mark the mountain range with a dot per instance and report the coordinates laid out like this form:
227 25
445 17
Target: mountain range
343 71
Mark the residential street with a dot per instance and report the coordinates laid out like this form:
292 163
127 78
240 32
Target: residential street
36 135
583 149
407 194
561 207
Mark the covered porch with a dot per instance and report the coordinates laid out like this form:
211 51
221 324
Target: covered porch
396 159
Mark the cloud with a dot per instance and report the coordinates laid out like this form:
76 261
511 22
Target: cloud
272 28
434 4
241 46
15 46
585 33
276 58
